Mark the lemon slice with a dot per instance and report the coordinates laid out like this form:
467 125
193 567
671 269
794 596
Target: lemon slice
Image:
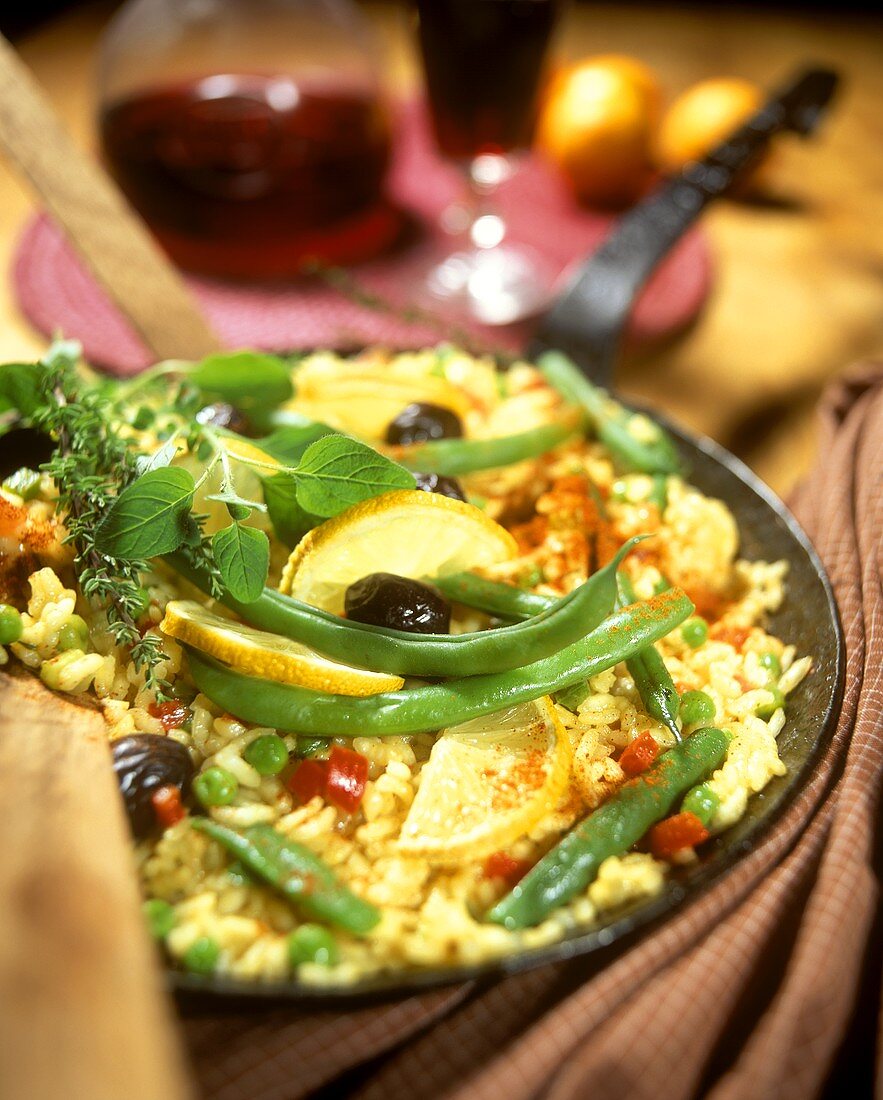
246 481
407 532
269 656
488 782
363 400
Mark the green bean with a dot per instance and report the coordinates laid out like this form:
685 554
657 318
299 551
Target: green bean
435 706
612 829
652 679
506 601
396 651
296 872
610 420
453 457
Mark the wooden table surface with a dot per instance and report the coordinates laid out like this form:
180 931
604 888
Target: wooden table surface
799 288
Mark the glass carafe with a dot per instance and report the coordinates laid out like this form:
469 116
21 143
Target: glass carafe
251 135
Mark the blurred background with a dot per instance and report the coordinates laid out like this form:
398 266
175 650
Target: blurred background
781 290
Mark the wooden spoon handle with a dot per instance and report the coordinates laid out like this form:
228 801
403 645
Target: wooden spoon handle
83 1012
110 238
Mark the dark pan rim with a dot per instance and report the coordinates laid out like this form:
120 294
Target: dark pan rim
641 917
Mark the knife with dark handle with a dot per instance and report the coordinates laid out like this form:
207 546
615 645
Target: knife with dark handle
588 320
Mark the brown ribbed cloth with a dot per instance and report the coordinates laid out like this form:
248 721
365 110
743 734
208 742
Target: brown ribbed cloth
747 992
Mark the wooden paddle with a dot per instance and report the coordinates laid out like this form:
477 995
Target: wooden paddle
83 1013
110 238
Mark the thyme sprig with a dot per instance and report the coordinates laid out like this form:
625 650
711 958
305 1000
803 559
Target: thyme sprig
92 463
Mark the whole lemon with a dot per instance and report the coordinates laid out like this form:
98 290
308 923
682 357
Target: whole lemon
597 125
701 117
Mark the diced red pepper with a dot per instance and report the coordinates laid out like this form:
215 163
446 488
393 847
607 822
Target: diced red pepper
506 867
640 754
308 780
166 802
683 830
347 776
172 713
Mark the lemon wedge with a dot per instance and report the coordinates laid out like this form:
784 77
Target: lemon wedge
407 532
269 656
488 782
362 400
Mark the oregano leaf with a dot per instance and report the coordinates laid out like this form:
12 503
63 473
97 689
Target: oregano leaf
21 388
148 518
250 380
242 555
290 521
337 472
288 443
160 457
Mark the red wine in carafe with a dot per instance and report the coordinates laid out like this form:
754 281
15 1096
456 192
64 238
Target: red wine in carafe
254 175
483 61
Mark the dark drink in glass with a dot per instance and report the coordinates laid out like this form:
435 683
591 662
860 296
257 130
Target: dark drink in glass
483 61
253 175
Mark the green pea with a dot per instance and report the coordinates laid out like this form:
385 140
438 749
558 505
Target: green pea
11 626
533 577
703 802
73 635
25 483
312 943
160 917
695 632
696 706
267 755
201 957
215 787
619 491
310 746
771 663
766 710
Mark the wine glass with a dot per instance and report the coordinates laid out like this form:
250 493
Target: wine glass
483 63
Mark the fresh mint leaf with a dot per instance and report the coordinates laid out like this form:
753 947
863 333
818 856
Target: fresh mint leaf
337 472
250 380
149 517
242 555
290 521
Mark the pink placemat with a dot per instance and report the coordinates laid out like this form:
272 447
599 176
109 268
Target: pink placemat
58 294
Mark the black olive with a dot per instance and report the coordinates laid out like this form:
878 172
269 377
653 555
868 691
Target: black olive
384 599
419 422
23 447
143 763
444 486
222 415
